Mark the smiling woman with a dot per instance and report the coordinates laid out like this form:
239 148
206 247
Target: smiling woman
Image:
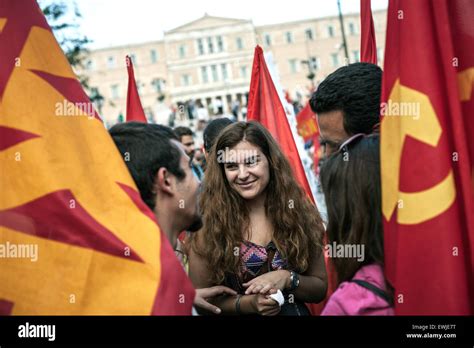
261 233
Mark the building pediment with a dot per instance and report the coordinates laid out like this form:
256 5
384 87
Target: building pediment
207 22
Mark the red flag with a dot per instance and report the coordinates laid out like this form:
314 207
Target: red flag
92 245
308 129
134 105
264 106
306 123
427 156
368 46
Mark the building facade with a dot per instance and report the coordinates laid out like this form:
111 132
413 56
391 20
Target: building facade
207 63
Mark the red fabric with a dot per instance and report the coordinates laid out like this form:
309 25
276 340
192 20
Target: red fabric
308 129
430 262
19 29
368 46
306 123
175 294
50 217
264 106
6 307
134 106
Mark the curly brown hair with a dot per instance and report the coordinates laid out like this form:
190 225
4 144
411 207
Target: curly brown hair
297 225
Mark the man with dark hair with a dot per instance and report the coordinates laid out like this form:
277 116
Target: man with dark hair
185 136
346 103
162 172
212 131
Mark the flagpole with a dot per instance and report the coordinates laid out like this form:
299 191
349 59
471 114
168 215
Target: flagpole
341 20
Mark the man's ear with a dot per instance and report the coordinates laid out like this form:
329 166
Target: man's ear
164 181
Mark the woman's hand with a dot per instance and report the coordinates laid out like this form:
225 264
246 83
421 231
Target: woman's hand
268 283
203 295
265 306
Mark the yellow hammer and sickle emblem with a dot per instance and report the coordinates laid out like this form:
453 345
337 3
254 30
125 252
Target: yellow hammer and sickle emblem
418 206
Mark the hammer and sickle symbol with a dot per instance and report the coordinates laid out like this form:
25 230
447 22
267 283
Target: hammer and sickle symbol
422 205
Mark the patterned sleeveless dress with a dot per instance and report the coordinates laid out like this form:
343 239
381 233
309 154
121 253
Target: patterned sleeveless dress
256 260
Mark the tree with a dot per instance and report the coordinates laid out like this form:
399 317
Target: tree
61 17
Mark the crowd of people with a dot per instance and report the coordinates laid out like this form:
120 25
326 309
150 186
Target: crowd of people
249 237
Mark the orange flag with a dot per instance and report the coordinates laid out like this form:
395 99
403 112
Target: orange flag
427 156
134 105
75 237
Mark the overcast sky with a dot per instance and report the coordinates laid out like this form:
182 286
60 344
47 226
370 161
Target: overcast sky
120 22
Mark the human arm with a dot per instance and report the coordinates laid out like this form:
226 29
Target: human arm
312 286
201 278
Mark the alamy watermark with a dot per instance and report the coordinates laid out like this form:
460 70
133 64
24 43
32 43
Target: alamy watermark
19 251
236 156
28 330
353 251
67 108
402 109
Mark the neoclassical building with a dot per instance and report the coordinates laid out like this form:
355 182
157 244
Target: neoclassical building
209 61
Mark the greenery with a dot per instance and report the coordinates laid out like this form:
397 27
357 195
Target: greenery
62 18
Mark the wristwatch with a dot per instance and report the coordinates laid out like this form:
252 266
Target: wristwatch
294 280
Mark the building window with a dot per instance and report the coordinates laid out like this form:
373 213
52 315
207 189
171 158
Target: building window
158 84
90 64
224 72
315 63
243 71
330 31
210 45
185 80
293 66
355 56
140 86
240 44
200 47
289 37
309 34
352 29
182 51
153 56
204 76
268 40
114 91
215 77
220 44
111 62
335 59
149 114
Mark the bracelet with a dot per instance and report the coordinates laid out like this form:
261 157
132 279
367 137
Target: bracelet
295 280
237 304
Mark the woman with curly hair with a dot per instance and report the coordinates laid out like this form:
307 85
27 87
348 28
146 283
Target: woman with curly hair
261 233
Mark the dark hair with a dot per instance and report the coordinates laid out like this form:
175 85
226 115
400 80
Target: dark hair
297 232
355 90
212 131
146 148
351 183
182 131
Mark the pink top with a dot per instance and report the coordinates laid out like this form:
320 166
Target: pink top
353 299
